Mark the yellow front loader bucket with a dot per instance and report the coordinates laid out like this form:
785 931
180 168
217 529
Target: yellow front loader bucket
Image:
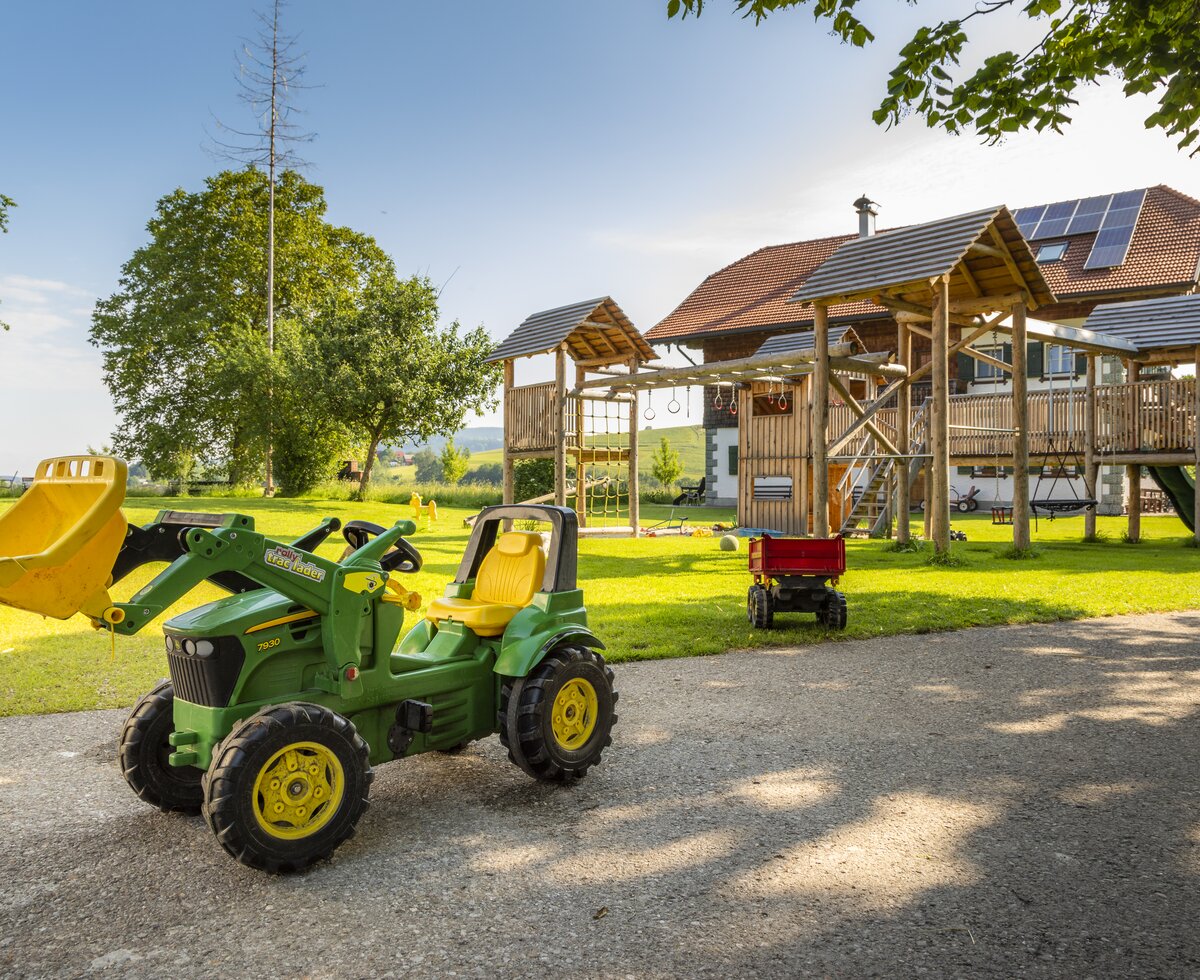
59 541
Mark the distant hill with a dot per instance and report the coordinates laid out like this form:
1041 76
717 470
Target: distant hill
478 439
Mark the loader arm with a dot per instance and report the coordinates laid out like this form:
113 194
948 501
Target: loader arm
341 594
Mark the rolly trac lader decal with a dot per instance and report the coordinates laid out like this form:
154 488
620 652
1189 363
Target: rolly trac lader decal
293 561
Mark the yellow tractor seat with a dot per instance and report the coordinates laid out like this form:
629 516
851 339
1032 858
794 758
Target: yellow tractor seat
509 576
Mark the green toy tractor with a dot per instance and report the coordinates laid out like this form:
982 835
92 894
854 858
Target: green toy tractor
284 694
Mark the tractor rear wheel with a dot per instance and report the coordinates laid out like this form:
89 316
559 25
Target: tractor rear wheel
557 720
760 608
144 753
287 786
833 613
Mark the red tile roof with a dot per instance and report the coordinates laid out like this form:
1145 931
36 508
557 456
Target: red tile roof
752 293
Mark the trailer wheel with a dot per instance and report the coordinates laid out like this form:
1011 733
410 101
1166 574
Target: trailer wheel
287 786
833 612
973 504
557 720
760 610
144 752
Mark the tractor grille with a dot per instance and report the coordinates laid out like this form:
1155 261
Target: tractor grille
204 671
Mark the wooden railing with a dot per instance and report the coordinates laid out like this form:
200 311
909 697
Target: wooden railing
529 417
1146 416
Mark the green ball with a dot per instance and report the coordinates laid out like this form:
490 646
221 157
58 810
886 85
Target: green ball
729 542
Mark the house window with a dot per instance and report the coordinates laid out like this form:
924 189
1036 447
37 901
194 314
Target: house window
1061 472
1060 360
1052 252
989 472
989 372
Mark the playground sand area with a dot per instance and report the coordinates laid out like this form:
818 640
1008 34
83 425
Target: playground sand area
992 802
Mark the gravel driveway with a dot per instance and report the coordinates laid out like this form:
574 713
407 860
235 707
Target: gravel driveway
1013 801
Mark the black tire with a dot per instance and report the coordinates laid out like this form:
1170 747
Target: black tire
963 506
144 750
973 504
527 705
235 809
921 506
833 613
760 610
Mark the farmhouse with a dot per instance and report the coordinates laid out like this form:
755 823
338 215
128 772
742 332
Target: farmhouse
1113 248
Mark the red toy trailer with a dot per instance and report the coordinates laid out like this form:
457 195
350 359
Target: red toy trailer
796 575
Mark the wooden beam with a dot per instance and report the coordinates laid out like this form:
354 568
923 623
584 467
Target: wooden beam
868 412
986 304
580 440
1133 471
896 303
903 441
1091 470
507 464
1196 428
1020 402
634 488
1007 257
560 425
972 282
979 248
940 420
857 408
820 417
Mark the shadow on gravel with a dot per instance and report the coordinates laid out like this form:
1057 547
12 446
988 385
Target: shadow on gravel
1016 802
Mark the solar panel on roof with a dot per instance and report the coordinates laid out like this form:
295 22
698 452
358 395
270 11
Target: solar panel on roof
1116 231
1027 219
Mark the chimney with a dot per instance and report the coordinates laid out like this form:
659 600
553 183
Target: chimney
867 209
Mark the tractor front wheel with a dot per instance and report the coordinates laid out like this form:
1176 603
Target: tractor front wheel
287 786
556 721
144 754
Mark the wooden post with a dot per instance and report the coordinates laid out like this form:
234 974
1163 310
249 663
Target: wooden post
800 396
1133 472
820 422
903 442
507 466
940 443
634 489
1020 402
1196 437
1091 470
580 440
560 426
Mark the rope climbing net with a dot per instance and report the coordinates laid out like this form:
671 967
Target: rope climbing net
600 457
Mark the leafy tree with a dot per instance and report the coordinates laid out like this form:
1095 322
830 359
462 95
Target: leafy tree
6 202
429 466
533 478
1153 46
184 341
393 374
454 462
486 474
665 465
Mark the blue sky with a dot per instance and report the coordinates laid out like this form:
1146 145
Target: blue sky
531 153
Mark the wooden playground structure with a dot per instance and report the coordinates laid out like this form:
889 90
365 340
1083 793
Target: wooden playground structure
822 447
592 436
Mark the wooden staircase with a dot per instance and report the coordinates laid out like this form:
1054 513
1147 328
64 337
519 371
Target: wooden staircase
872 506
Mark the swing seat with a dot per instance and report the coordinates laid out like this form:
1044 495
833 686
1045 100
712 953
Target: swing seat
1058 507
1002 515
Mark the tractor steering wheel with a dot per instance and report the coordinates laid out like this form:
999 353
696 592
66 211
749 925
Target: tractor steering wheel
402 558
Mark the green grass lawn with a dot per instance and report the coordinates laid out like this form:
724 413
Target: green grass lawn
659 597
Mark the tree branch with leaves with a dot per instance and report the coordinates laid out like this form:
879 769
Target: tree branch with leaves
1152 46
6 203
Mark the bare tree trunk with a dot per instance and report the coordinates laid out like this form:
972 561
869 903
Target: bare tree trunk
270 487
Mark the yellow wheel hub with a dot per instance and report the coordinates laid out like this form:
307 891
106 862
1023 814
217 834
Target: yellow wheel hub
573 715
298 791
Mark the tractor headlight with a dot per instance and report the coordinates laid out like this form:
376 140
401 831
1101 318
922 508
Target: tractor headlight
203 648
189 647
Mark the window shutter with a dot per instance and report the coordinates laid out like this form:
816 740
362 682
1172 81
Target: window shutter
1035 354
1080 365
966 471
966 367
733 460
1008 353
